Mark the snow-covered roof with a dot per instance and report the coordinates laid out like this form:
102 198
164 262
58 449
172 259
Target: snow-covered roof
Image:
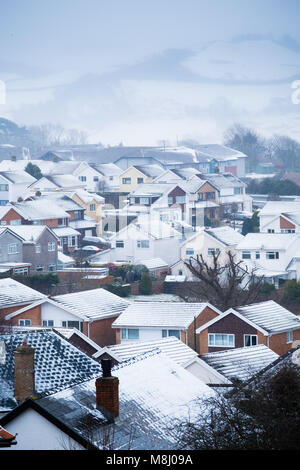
88 197
93 304
154 394
241 363
58 364
64 259
16 177
171 347
278 207
223 180
152 189
149 170
64 181
39 209
107 169
227 235
267 241
209 152
270 316
15 293
30 233
65 231
160 314
153 263
87 222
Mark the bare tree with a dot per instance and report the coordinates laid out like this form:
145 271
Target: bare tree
263 414
225 285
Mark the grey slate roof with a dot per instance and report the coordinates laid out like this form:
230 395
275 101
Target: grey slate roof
159 314
270 316
93 304
171 347
154 392
240 363
15 293
58 364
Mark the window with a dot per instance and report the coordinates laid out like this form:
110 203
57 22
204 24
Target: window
289 336
132 200
238 190
37 222
143 243
144 200
130 333
257 255
48 323
51 246
287 231
22 271
213 251
12 248
3 222
140 180
189 251
111 178
77 215
170 200
61 221
272 255
72 324
246 255
92 207
210 195
180 199
24 322
271 230
15 222
4 187
72 241
82 178
220 340
3 202
126 180
38 248
40 267
119 243
52 267
175 333
250 340
95 178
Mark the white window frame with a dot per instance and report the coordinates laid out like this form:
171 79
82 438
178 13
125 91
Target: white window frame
12 248
289 336
140 243
126 335
22 321
39 268
126 180
190 251
213 251
121 244
46 323
246 257
51 246
144 200
214 345
92 207
38 248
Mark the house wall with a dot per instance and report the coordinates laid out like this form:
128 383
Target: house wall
97 214
278 342
11 215
37 433
85 170
205 374
45 258
5 240
276 223
7 310
134 174
101 332
205 316
33 314
4 195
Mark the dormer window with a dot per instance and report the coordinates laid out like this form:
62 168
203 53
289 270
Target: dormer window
272 255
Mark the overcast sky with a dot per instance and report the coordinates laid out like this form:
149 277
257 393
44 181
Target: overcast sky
145 71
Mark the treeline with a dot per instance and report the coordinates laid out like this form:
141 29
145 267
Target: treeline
281 150
273 187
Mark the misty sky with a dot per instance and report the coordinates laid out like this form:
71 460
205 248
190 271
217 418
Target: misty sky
145 71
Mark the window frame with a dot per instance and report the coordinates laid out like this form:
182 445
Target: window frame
214 345
251 337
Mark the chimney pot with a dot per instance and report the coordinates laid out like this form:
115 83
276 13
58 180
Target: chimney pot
107 392
24 372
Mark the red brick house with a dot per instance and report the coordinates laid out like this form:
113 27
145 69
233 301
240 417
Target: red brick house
265 323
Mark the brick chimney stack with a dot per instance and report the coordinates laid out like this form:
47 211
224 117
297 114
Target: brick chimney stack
107 391
24 372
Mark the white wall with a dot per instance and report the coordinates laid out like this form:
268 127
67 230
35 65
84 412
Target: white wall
51 312
146 334
37 433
